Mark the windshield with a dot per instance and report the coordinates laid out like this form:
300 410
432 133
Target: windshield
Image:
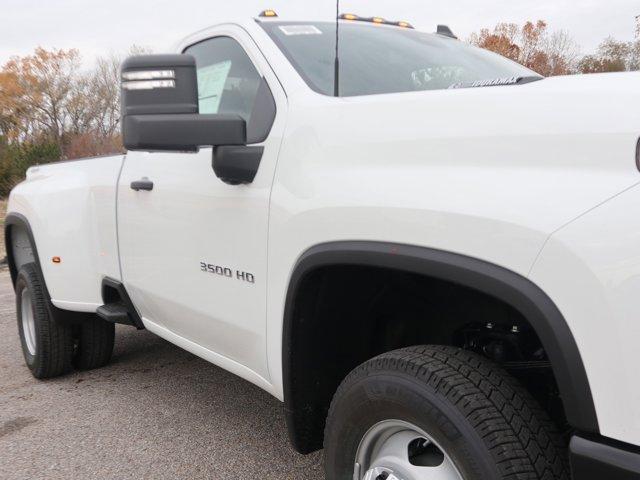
378 59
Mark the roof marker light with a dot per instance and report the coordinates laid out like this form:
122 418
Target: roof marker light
404 24
376 20
268 13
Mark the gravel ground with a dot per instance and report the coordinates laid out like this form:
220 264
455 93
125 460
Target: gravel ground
155 412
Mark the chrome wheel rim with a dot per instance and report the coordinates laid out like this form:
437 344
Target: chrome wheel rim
398 450
28 321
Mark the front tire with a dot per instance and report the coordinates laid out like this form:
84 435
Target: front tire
47 345
438 412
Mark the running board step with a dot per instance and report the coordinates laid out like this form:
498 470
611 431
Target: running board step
115 313
118 307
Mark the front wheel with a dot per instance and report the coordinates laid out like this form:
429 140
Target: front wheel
438 413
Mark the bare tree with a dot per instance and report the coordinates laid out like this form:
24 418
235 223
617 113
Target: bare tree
532 46
635 49
563 53
97 116
47 80
105 85
611 56
12 107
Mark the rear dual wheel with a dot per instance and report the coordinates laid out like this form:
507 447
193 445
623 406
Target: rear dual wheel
51 348
438 413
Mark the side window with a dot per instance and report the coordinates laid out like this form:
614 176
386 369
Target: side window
228 82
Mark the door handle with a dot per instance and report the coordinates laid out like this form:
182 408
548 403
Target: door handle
143 184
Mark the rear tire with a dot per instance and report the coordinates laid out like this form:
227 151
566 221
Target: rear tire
95 343
46 344
448 404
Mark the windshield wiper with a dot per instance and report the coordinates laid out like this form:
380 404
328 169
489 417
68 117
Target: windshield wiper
497 82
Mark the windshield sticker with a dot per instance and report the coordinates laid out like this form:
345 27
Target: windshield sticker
211 81
300 30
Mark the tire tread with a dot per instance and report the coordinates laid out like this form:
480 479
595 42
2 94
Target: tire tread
95 344
55 339
524 443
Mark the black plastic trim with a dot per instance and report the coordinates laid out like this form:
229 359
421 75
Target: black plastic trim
58 314
603 459
263 114
445 31
482 276
236 165
119 287
10 220
181 98
182 132
142 184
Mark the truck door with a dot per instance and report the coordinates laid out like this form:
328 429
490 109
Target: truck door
193 249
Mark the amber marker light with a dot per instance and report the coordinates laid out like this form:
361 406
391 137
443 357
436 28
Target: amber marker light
56 260
377 20
268 13
349 16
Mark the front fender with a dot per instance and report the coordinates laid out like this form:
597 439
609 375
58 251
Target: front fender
501 283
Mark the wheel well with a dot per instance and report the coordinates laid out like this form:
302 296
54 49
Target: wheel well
19 248
339 315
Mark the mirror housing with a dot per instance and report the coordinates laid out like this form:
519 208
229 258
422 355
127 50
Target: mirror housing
159 107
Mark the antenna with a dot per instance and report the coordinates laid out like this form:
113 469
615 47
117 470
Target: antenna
336 67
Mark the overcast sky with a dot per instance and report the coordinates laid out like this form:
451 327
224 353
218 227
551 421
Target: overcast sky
112 26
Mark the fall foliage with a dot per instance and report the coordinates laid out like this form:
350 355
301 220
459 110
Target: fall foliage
612 56
51 109
532 46
556 53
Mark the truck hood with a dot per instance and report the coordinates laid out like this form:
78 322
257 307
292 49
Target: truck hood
500 167
613 85
601 110
599 80
579 104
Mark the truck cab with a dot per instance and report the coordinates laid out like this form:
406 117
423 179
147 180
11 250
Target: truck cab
423 249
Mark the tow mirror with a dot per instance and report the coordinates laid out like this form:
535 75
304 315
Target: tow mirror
160 107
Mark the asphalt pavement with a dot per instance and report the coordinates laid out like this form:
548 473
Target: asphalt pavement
156 412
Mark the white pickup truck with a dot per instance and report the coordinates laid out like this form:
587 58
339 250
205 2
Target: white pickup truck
429 253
